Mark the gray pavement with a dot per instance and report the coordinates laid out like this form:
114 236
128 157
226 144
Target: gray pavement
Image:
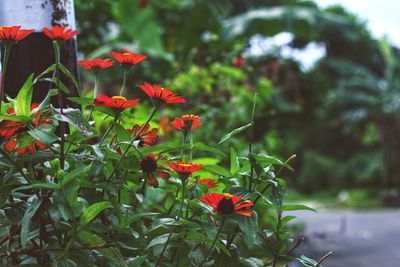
357 238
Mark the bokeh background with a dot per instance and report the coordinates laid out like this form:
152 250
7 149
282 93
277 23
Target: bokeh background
327 77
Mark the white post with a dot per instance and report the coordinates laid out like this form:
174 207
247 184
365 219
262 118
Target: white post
35 53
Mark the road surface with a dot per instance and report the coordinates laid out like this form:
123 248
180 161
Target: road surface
357 238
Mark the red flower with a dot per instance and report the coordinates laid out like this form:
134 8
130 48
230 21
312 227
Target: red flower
13 33
184 168
238 61
9 128
127 58
118 103
186 122
142 4
96 64
227 204
150 169
59 33
22 147
164 95
147 137
210 183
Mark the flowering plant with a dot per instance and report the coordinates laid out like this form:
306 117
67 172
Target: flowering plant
121 197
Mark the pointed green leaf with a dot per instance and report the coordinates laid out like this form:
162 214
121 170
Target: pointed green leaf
234 132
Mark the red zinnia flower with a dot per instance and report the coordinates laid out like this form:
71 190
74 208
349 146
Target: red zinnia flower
9 128
210 183
96 64
59 33
142 4
117 103
184 168
150 169
238 61
13 33
148 137
30 148
227 204
186 122
155 92
127 58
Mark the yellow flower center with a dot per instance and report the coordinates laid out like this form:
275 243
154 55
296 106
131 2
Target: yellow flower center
126 54
185 164
119 97
227 195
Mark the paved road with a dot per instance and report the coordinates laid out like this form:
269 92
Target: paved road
357 238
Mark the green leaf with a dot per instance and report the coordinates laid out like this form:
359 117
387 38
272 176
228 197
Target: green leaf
48 70
162 239
45 101
92 211
308 262
138 216
24 98
203 147
248 227
36 185
112 253
297 207
44 134
5 192
235 166
33 206
81 100
234 132
70 76
74 174
217 170
75 118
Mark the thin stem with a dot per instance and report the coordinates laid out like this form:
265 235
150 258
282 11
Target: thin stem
7 49
107 132
191 145
96 86
251 137
153 112
173 228
60 102
2 152
323 258
215 241
124 81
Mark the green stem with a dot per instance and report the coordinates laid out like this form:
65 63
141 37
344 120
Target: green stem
5 155
251 136
107 131
96 86
153 112
173 228
124 81
7 49
215 241
60 102
191 145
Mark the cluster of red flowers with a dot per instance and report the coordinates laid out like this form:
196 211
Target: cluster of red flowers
20 141
16 133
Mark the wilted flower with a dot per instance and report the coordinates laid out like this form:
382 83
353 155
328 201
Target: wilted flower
151 169
147 137
22 146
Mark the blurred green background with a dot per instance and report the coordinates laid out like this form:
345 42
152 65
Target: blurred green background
339 112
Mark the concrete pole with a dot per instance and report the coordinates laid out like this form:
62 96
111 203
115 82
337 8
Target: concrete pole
35 53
